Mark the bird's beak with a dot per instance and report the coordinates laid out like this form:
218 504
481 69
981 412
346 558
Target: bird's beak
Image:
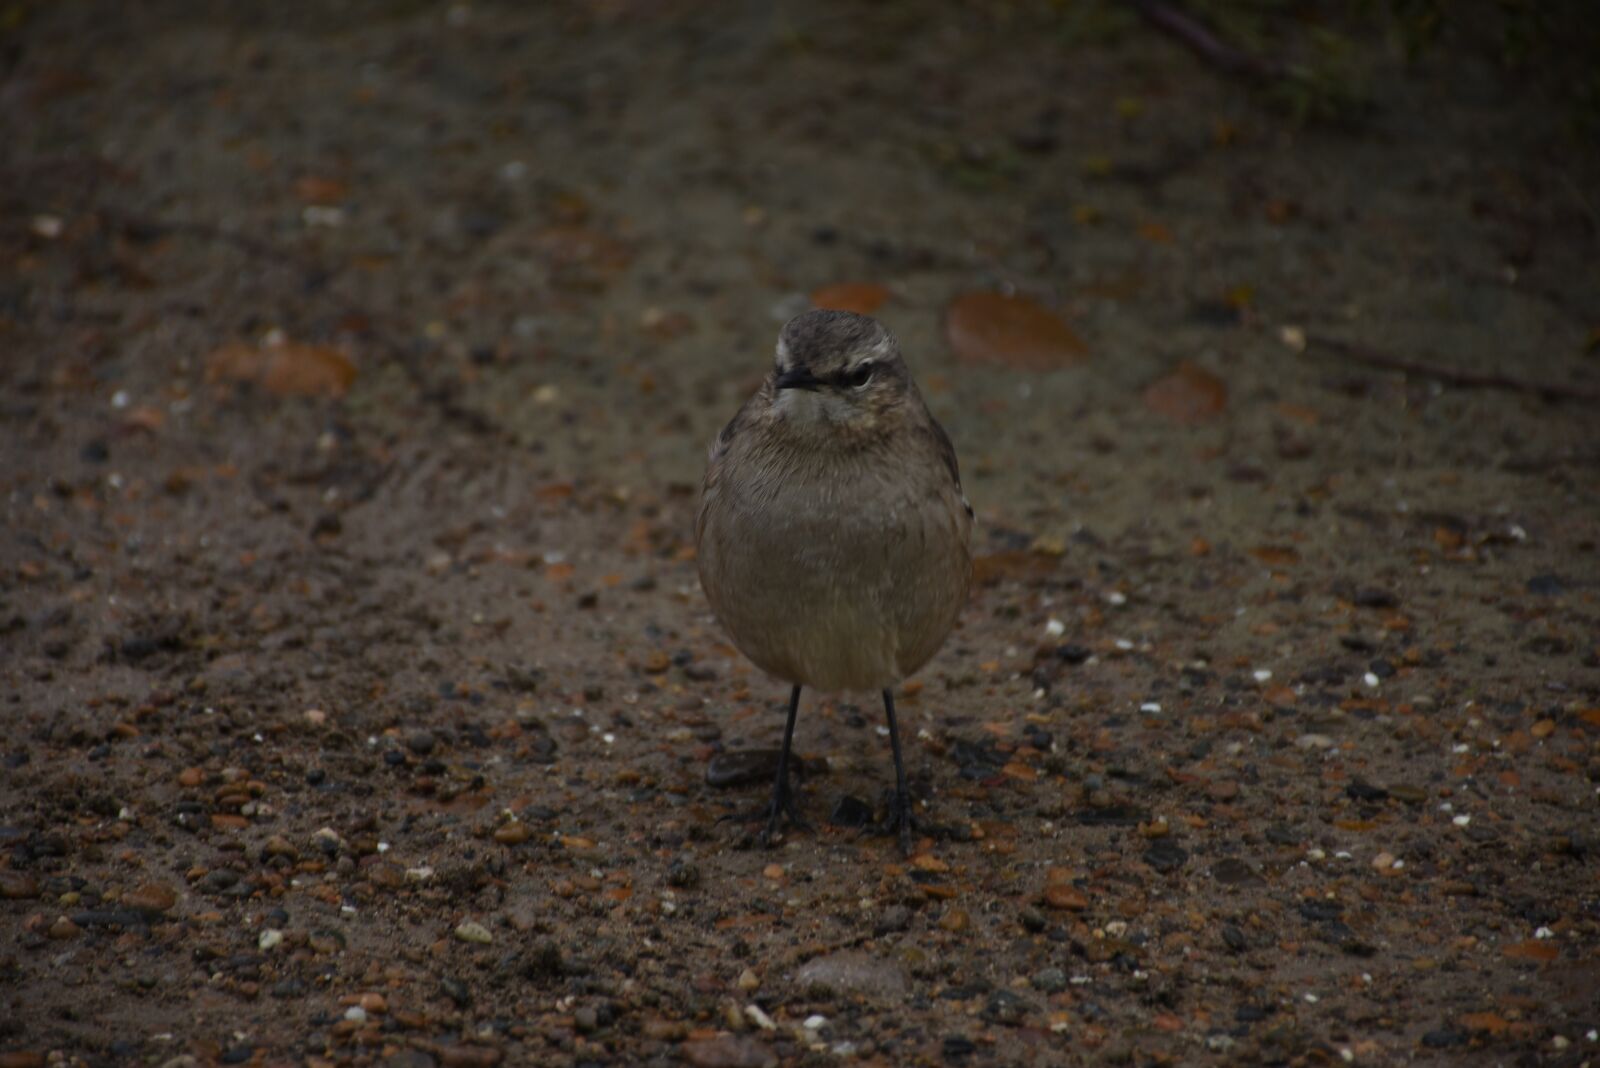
796 378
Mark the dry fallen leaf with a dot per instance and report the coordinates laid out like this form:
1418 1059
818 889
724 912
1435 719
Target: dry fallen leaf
312 189
1015 332
1187 394
1276 555
284 368
863 298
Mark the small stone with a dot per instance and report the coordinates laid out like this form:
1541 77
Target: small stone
17 885
468 1056
748 981
270 939
150 898
894 918
1006 1008
512 832
421 742
1546 585
1411 795
1443 1038
955 920
855 972
1383 861
586 1019
851 812
1231 871
1222 790
1362 790
683 874
741 767
1065 896
474 932
22 1059
728 1051
1165 856
1032 919
1049 980
63 929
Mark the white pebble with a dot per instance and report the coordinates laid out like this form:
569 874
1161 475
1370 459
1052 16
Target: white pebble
1124 644
754 1014
1262 674
1461 821
1371 680
356 1014
1055 628
815 1022
1117 597
270 939
1544 932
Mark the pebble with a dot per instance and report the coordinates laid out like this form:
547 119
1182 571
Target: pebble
850 812
474 932
151 898
955 920
1049 980
894 918
728 1051
1231 871
741 767
63 928
421 742
855 972
1166 856
17 885
1065 896
468 1056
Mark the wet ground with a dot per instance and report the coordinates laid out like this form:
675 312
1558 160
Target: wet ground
358 693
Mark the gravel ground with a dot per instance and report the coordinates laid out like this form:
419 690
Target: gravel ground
360 703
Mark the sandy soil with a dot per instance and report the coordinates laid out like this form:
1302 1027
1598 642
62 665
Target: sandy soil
358 693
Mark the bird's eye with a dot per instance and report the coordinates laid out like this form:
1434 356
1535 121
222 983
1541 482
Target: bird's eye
859 377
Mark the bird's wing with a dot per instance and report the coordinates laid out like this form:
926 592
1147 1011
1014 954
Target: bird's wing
947 453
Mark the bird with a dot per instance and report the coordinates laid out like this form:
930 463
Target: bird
833 540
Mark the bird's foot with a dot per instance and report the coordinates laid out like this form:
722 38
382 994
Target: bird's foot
899 820
781 809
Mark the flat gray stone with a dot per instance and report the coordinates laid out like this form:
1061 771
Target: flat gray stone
855 972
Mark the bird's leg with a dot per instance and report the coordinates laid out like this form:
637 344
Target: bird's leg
898 820
782 795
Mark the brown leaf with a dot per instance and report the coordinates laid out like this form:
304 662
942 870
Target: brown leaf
1490 1022
1276 555
284 368
863 298
312 189
1533 949
1187 394
1015 332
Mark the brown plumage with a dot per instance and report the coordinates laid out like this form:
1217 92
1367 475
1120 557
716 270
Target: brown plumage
833 540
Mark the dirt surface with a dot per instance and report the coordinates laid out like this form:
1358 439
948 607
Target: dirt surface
358 693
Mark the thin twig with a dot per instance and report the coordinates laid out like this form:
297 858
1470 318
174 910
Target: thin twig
1454 376
1206 44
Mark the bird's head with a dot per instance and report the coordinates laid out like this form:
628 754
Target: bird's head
839 370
